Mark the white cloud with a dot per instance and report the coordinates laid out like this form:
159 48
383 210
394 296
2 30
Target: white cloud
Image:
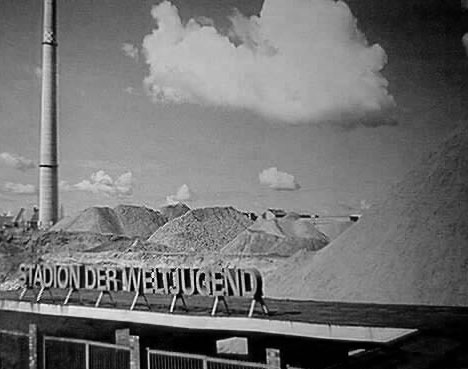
130 50
132 91
16 161
365 205
298 61
183 194
65 186
277 180
19 188
124 184
102 183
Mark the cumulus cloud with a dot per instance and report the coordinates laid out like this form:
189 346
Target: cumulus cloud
365 205
130 50
65 186
16 161
132 91
183 194
277 180
299 61
102 183
19 188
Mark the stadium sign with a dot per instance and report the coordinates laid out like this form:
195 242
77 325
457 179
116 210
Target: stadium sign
163 281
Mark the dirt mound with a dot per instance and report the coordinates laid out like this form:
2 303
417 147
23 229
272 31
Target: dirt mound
139 221
76 241
18 247
95 219
174 211
128 220
282 236
409 248
333 228
206 229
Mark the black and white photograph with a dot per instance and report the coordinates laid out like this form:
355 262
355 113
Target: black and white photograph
233 184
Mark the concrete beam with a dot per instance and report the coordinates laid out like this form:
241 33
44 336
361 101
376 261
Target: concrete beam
237 324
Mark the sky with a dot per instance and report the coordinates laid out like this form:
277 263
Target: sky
307 105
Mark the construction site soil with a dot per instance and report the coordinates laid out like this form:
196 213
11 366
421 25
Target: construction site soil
411 248
283 237
201 230
129 220
201 237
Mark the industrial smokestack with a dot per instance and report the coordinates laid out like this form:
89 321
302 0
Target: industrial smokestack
48 165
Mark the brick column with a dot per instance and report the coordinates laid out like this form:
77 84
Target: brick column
273 358
135 353
124 338
32 344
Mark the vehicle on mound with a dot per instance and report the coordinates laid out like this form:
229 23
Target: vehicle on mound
204 229
278 236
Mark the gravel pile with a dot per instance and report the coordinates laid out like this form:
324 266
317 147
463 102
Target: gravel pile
95 219
128 220
139 221
283 236
205 229
410 248
174 211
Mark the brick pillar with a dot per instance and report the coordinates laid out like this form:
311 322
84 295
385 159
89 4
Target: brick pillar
32 343
122 337
135 353
273 358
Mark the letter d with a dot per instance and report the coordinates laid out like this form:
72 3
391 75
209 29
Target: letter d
90 277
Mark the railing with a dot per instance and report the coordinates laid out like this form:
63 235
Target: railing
69 353
217 363
175 360
14 349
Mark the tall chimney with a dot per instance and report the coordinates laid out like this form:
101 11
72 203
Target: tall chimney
48 165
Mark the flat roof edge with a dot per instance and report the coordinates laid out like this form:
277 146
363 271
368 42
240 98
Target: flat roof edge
253 325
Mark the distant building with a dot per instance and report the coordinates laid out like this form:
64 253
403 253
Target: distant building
33 222
280 213
252 216
274 213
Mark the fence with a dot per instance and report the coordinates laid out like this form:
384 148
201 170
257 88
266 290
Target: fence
18 350
59 353
175 360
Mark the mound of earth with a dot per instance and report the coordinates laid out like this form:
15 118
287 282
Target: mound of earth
283 236
205 229
139 221
94 219
76 241
410 248
128 220
333 228
18 247
174 211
